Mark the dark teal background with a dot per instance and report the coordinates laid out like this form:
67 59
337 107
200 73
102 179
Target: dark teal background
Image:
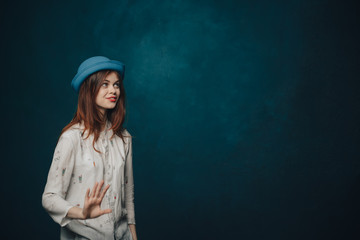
245 113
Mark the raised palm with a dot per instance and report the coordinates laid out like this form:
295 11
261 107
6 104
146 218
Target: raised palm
93 201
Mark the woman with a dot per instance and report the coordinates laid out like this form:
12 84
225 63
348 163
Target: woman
90 186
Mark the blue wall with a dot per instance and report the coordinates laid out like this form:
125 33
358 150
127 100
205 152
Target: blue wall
245 113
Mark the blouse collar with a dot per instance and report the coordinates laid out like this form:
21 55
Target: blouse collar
106 132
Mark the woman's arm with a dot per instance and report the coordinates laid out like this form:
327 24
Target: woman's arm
53 198
129 189
133 231
129 185
76 213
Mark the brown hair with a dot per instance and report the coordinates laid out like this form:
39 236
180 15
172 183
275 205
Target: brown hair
88 111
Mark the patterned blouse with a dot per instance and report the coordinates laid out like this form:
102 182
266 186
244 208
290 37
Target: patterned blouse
76 166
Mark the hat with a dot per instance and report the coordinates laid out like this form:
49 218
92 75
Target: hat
94 64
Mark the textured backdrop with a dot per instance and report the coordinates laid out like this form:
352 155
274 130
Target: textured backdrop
245 113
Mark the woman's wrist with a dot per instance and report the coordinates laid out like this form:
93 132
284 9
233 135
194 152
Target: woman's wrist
76 213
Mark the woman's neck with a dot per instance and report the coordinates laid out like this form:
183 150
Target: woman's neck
103 126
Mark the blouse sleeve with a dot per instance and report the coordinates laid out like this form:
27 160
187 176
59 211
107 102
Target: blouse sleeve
53 198
129 185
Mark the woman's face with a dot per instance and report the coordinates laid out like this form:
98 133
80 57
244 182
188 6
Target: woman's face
109 93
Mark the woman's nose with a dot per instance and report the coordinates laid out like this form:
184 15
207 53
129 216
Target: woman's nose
112 89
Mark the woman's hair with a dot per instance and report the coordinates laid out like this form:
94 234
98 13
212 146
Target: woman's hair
88 111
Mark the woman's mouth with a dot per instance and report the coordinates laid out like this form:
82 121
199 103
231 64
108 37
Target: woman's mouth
112 99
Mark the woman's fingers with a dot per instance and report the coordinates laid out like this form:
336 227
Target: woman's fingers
98 190
104 191
87 193
94 190
105 211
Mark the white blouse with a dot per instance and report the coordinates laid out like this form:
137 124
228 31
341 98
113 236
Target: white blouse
76 166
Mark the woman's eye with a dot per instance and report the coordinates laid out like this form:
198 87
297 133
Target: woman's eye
104 84
117 85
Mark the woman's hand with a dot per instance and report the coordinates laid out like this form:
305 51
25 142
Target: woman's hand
93 201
